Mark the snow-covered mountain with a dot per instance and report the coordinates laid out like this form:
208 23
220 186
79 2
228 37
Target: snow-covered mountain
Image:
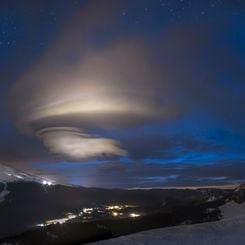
8 174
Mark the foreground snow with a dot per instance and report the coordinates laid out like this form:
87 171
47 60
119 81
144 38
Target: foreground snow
225 232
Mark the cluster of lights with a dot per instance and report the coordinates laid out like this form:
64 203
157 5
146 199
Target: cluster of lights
113 211
88 210
119 207
115 214
114 207
131 215
58 221
46 182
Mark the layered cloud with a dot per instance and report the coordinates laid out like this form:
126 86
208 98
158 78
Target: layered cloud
80 85
72 144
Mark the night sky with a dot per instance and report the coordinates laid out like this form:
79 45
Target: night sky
131 93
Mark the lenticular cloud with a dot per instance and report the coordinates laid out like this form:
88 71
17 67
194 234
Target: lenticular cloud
73 144
107 87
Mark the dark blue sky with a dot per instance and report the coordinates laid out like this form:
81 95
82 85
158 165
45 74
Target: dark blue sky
124 93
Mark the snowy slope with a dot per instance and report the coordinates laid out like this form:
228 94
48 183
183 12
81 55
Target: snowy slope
232 209
8 175
225 232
